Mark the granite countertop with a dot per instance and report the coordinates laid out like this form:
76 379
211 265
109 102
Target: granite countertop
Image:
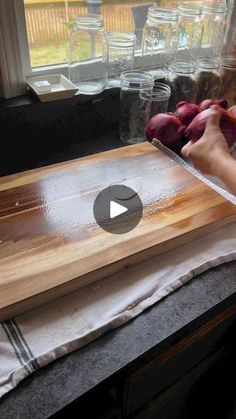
53 387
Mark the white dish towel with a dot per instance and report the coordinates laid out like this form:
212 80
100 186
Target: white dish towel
42 335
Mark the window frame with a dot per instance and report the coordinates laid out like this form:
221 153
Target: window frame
14 48
15 66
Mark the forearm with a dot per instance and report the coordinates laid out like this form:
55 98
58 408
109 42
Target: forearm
227 173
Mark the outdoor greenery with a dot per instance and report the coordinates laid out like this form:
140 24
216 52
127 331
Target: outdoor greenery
48 24
53 53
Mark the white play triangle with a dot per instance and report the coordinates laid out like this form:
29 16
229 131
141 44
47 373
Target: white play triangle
116 209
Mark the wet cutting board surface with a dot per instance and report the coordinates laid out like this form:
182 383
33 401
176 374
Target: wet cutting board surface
50 243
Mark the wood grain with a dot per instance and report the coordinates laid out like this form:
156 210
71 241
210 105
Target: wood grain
50 243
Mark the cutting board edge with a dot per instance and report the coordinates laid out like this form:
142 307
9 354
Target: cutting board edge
119 266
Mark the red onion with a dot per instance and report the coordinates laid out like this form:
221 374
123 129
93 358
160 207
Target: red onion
227 124
165 127
207 103
186 111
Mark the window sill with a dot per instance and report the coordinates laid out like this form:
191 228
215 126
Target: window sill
32 99
39 134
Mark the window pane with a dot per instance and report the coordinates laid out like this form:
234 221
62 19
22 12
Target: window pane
48 23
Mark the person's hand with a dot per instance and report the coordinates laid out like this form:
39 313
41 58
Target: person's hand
208 153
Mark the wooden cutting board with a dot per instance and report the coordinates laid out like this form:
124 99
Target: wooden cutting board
50 243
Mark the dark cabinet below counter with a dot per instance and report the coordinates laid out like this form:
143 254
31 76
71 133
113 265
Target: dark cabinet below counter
189 380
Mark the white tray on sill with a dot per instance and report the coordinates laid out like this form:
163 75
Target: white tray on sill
51 87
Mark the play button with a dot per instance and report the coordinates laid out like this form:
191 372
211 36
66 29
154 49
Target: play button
117 209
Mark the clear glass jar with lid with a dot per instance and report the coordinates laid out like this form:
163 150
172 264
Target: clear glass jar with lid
86 67
183 83
159 40
214 28
228 76
190 30
208 79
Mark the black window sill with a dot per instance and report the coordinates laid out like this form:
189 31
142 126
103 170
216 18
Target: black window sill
32 99
38 134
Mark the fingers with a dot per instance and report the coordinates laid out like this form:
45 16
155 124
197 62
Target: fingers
213 120
186 148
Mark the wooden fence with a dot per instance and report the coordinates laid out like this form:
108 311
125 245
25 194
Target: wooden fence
51 24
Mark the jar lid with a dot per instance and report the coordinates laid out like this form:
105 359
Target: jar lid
136 80
120 39
216 7
188 8
161 14
208 63
184 67
88 21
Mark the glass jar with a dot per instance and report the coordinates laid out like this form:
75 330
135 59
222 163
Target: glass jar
183 83
119 55
86 67
159 41
228 76
154 102
190 30
214 29
132 113
208 79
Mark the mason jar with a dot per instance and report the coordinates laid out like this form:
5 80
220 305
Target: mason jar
86 67
159 41
228 76
156 101
134 84
119 55
183 83
208 79
214 28
190 30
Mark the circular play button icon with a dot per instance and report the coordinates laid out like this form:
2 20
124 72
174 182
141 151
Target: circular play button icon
118 209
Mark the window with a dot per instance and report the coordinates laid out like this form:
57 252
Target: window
34 33
48 23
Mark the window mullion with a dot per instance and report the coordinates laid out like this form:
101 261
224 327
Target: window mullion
13 47
22 36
